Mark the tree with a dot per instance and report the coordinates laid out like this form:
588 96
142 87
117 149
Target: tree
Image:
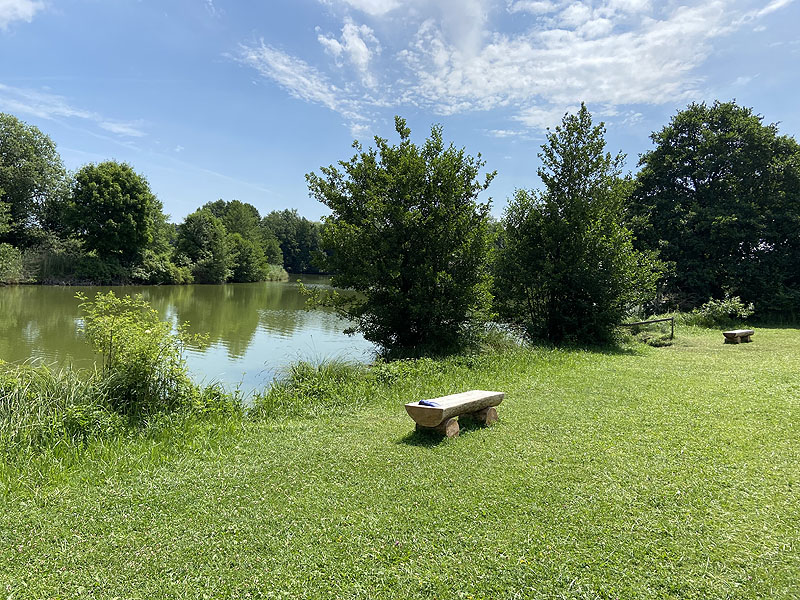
113 211
244 219
202 238
567 269
407 233
719 195
32 179
298 237
247 259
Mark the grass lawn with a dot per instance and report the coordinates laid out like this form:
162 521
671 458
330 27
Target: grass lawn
652 473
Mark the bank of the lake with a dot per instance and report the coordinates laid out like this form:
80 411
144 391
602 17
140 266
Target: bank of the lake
633 472
256 330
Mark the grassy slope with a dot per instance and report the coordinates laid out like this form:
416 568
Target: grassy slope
659 473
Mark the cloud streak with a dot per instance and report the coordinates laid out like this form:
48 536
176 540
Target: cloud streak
305 82
23 101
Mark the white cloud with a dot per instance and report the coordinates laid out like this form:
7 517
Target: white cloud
18 10
358 44
212 9
299 78
553 67
504 133
44 105
374 7
537 117
534 7
773 6
444 55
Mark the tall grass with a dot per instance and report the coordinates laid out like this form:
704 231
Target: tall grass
40 407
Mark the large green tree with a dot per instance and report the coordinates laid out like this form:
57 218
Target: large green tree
719 195
203 240
114 212
407 232
33 181
566 269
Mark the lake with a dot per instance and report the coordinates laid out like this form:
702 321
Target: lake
256 329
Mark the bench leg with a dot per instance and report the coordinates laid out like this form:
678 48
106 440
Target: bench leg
732 340
448 428
746 339
487 416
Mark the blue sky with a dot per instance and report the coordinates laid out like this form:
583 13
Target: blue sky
228 99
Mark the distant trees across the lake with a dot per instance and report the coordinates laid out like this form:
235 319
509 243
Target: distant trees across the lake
104 225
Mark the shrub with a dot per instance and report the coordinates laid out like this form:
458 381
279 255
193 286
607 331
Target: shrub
719 313
142 357
10 264
159 269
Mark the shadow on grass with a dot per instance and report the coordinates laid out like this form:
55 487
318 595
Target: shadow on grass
430 439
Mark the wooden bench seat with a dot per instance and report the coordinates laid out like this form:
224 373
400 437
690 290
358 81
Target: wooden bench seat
478 405
738 335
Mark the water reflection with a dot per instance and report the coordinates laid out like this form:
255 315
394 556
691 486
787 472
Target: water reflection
254 329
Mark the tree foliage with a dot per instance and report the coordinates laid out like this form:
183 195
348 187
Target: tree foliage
203 240
299 239
719 195
407 233
566 269
32 179
113 211
247 259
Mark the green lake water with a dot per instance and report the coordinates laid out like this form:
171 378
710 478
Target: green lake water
256 329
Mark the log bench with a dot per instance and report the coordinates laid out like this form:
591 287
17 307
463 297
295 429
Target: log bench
738 335
439 414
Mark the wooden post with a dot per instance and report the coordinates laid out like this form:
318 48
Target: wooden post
487 416
672 332
448 428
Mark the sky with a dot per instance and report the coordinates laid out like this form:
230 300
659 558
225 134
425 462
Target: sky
229 99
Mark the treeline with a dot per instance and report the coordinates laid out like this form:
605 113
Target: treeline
713 213
103 224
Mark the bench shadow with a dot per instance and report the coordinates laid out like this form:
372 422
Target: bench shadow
430 439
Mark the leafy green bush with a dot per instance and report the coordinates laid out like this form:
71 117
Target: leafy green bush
10 264
718 313
276 273
159 269
142 357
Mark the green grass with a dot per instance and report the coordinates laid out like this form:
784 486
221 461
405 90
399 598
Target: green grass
651 473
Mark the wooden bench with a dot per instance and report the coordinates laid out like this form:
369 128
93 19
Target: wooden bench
738 335
478 405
